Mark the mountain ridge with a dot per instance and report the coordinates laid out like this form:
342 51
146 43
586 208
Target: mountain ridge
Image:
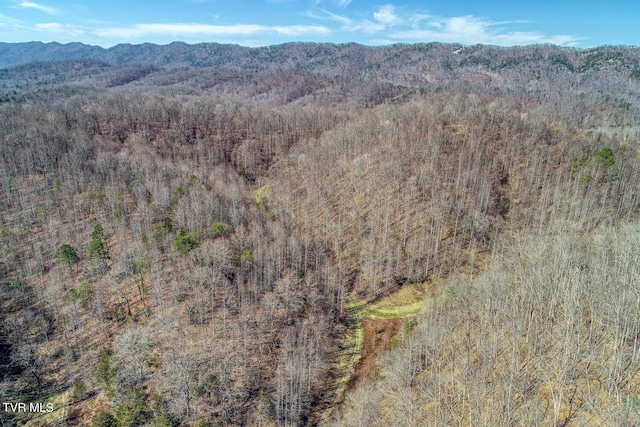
210 53
530 68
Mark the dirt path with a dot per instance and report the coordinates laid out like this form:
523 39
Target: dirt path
372 331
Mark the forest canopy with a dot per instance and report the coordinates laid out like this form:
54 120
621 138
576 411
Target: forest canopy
331 242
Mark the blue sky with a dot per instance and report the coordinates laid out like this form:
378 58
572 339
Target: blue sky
583 23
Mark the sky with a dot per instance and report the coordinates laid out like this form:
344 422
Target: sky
577 23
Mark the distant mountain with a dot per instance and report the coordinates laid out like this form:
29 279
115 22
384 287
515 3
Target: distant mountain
330 73
413 64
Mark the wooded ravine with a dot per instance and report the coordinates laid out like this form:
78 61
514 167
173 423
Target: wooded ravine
317 234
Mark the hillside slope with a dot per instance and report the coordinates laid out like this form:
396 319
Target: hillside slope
547 335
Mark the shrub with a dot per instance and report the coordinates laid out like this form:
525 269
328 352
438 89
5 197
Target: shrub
105 372
178 191
70 354
606 157
261 196
612 173
586 179
119 316
161 421
218 229
96 247
103 418
66 254
43 214
120 213
83 294
583 160
246 257
78 390
184 242
133 410
13 285
608 162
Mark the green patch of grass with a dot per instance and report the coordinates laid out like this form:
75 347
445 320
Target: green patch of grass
395 312
351 346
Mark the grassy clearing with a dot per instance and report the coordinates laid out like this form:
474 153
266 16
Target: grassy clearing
350 351
353 339
395 312
408 301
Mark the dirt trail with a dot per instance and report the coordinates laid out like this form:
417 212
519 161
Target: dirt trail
372 331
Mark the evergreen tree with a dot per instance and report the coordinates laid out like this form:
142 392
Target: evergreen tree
66 254
97 248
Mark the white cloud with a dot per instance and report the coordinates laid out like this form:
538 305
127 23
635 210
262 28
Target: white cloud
329 20
298 30
139 31
51 26
385 15
8 19
339 3
343 3
388 25
42 8
349 24
470 30
66 29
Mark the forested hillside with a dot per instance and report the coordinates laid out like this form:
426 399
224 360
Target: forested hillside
309 234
